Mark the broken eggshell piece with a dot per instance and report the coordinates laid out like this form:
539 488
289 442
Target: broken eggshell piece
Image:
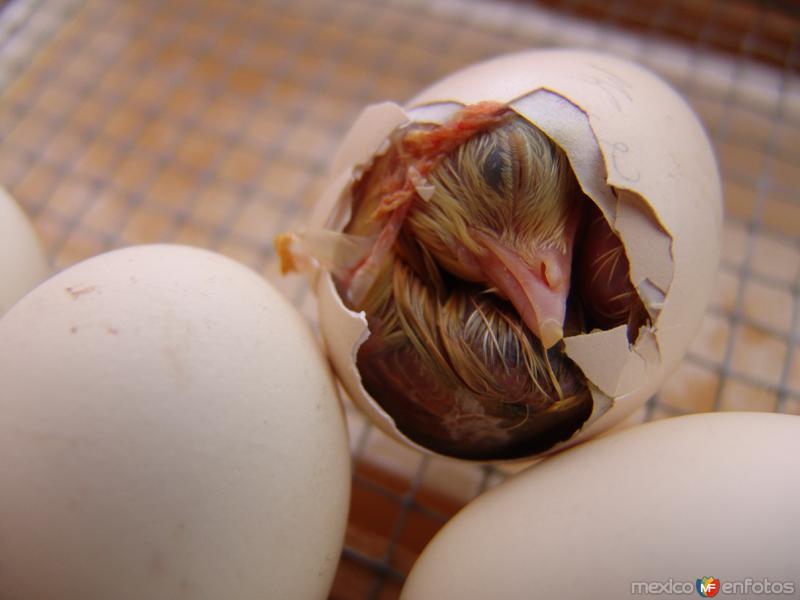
637 150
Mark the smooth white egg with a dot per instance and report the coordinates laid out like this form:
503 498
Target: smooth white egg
22 260
664 504
169 428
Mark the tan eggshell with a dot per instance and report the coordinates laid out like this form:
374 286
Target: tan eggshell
170 429
637 150
712 495
22 260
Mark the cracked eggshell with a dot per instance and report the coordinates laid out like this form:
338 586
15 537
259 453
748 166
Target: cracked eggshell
695 496
170 428
22 260
638 151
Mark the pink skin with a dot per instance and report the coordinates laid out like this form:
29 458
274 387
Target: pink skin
537 284
364 275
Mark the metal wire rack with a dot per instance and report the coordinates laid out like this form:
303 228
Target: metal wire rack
210 123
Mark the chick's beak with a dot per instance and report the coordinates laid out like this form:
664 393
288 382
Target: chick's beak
537 284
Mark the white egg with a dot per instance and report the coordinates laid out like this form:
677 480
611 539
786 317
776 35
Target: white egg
637 150
168 429
22 261
713 495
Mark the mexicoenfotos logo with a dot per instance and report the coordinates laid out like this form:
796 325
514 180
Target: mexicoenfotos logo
707 587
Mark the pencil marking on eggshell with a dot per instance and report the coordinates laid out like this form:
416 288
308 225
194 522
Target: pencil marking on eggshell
611 84
619 151
76 291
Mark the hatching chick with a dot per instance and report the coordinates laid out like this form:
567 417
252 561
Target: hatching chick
473 289
459 250
504 214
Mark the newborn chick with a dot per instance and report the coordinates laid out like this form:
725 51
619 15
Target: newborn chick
473 290
459 250
504 214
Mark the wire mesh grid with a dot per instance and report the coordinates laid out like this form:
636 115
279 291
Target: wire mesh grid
210 123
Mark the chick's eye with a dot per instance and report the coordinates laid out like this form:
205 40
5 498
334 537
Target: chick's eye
493 170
